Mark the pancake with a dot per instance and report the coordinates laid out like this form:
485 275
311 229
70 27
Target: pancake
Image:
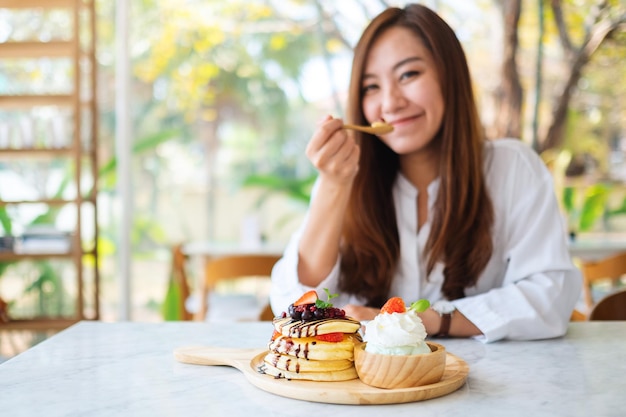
299 365
330 376
312 341
311 348
298 328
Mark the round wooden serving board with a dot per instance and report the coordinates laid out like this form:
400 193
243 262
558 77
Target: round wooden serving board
343 392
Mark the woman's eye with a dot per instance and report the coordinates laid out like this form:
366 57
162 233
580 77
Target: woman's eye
409 74
369 88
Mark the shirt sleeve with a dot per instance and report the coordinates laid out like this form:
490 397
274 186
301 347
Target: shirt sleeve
541 285
286 286
535 307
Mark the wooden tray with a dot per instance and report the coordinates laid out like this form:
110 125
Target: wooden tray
343 392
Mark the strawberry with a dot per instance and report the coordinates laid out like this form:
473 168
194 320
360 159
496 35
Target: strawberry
309 297
330 337
394 305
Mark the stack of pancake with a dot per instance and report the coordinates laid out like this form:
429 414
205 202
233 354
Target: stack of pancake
317 349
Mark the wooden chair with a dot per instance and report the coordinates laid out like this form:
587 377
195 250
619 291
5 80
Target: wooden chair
611 307
611 268
578 316
267 314
179 279
230 268
4 311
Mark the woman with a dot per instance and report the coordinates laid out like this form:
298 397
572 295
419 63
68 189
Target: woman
430 210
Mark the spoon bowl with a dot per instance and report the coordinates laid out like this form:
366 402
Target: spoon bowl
377 128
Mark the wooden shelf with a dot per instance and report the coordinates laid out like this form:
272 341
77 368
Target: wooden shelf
27 101
36 49
36 4
12 256
83 156
48 201
9 153
38 324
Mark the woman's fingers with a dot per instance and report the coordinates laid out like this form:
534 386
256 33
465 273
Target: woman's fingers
360 312
325 130
332 151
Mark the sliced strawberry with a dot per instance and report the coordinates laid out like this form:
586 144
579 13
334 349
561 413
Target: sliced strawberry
394 305
330 337
309 297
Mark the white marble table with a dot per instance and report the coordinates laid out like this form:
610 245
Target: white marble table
591 246
210 249
127 369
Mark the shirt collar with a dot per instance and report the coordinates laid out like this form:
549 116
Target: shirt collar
408 189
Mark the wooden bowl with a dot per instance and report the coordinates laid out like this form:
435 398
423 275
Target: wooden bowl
400 371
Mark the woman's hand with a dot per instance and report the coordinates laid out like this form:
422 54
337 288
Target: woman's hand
334 152
430 318
460 325
361 313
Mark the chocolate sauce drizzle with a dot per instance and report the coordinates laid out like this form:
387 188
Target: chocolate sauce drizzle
300 328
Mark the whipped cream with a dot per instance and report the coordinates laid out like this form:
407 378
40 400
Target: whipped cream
396 334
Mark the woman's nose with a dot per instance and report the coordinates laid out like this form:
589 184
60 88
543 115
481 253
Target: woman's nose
392 100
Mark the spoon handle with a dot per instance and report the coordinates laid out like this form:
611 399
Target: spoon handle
379 129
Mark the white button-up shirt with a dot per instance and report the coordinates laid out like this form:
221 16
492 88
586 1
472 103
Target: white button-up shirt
530 285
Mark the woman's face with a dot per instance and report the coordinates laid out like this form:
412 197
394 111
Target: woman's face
401 86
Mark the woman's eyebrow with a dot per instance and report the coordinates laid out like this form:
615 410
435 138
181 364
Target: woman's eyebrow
407 61
396 66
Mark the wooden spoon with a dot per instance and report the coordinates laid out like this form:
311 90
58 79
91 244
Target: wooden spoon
377 128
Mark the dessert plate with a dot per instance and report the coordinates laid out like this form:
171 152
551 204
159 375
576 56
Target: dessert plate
342 392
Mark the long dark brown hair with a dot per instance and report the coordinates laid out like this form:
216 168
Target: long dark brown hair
460 235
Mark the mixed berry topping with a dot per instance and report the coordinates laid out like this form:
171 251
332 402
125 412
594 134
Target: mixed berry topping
309 307
309 312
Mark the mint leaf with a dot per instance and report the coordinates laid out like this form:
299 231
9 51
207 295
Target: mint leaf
329 295
420 306
326 304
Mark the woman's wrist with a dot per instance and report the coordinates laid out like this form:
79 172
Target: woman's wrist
431 320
